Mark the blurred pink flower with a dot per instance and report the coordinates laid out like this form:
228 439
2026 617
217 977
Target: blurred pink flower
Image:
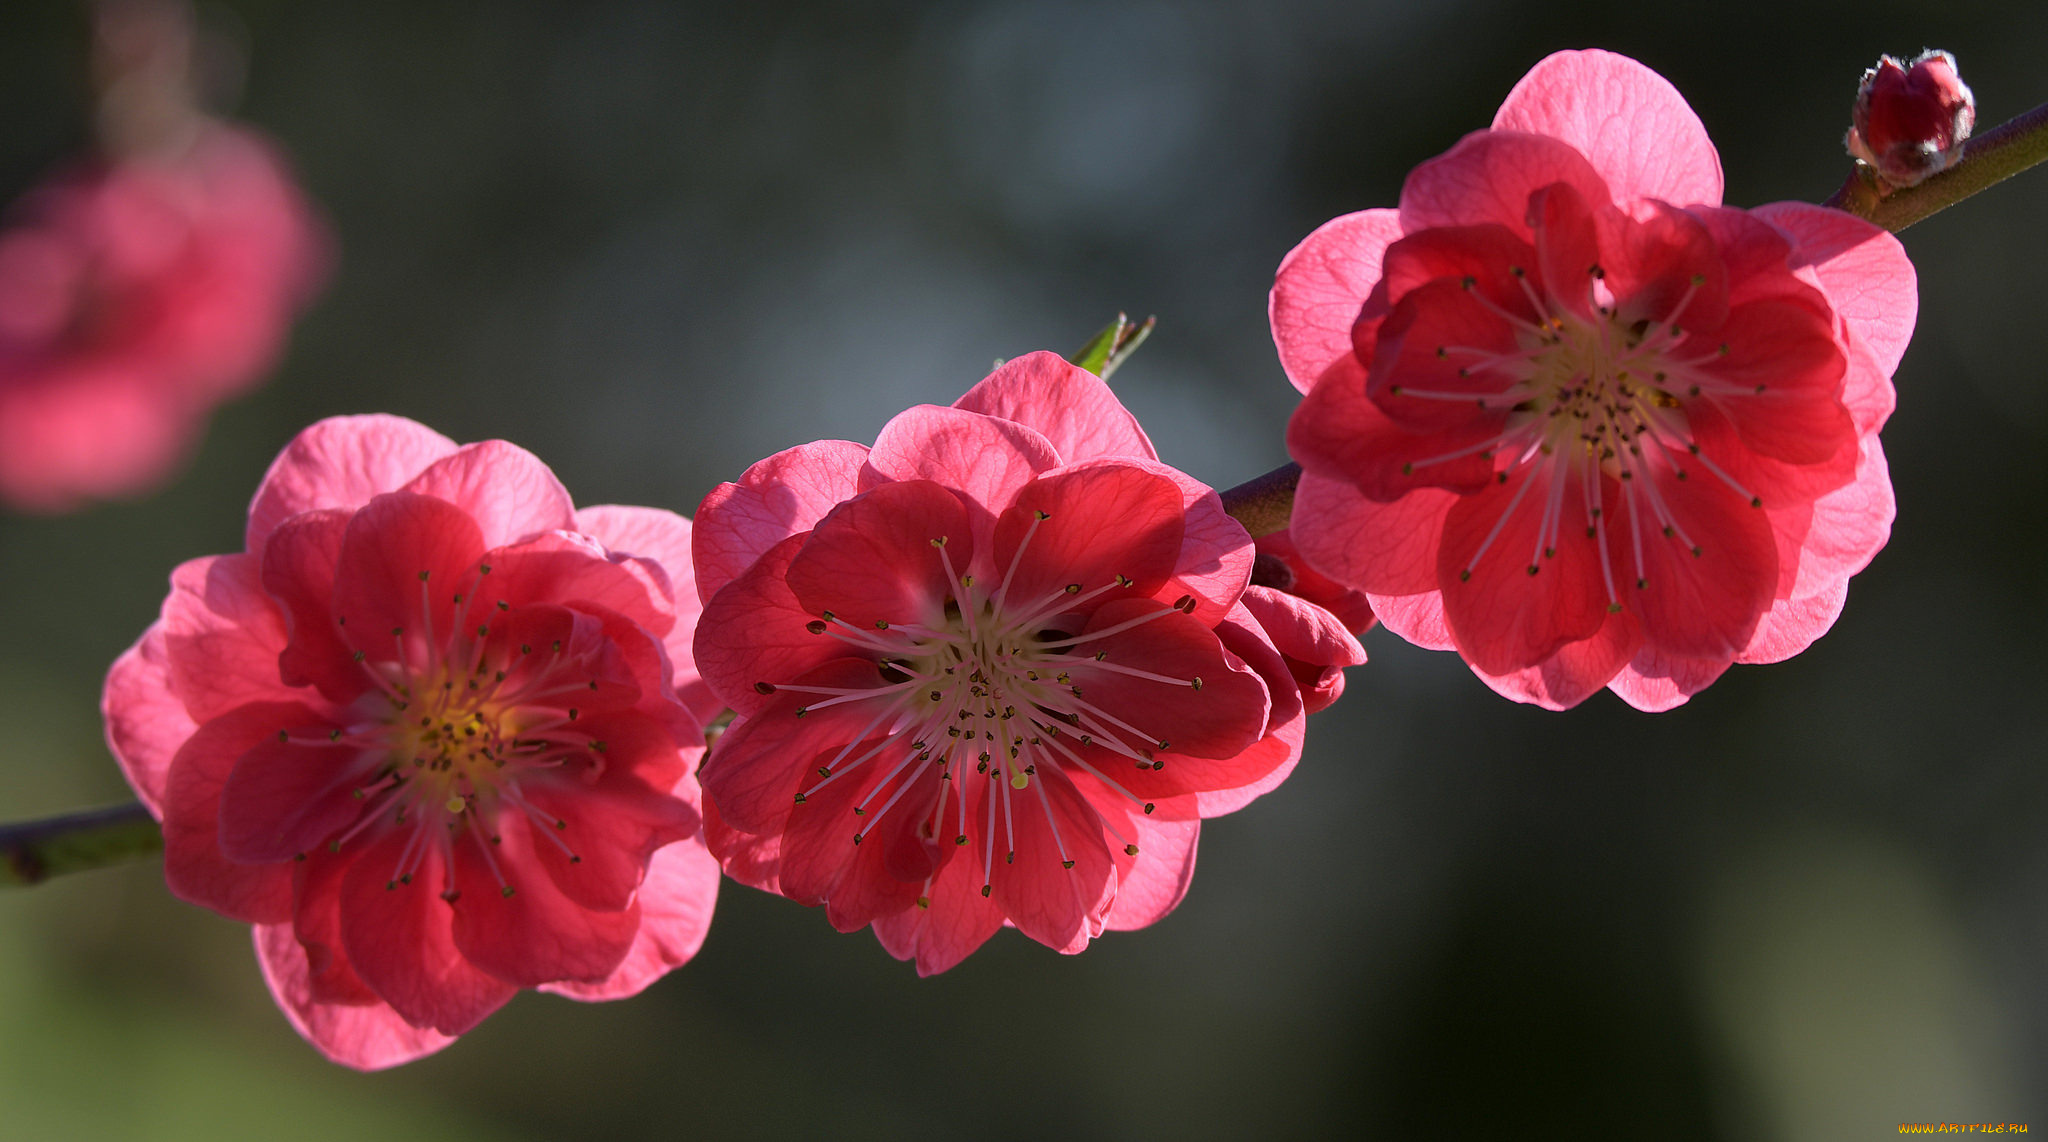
992 672
1570 417
136 294
426 735
1911 120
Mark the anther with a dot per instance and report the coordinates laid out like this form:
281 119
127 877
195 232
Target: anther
1130 850
984 890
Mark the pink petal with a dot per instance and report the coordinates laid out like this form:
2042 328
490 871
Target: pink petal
299 560
1379 548
1488 177
1059 906
146 723
506 489
751 859
1069 405
755 631
1628 120
1320 287
765 759
958 921
535 933
573 570
1506 618
1216 720
822 863
1656 681
1786 350
1302 630
875 559
316 921
664 538
222 636
1847 527
1864 269
984 458
1577 671
613 824
1079 530
1158 877
1267 762
368 1037
784 495
399 940
1703 605
403 558
675 914
1340 433
1792 625
194 867
1216 553
1419 618
1412 353
340 463
285 798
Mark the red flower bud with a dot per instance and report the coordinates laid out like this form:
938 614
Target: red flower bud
1912 119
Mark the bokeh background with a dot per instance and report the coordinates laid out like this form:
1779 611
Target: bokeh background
654 242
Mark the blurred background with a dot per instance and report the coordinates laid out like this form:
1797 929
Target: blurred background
654 242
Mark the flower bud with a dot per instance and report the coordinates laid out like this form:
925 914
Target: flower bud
1912 119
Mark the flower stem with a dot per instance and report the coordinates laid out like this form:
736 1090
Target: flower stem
1990 158
34 851
1264 503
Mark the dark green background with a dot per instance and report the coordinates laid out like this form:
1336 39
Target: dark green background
656 242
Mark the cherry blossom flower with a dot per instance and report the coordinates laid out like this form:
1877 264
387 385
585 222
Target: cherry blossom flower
992 671
135 295
1572 418
425 735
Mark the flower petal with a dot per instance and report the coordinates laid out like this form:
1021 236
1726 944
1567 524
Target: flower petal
984 458
194 867
299 561
513 922
146 723
398 936
765 759
222 636
506 489
1629 121
875 559
1060 881
1379 548
1320 287
1515 591
1863 268
784 495
367 1037
1488 177
675 904
1071 406
402 555
1075 531
340 463
1577 671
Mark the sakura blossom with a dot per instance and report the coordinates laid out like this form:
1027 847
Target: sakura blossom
432 733
136 293
1569 416
992 671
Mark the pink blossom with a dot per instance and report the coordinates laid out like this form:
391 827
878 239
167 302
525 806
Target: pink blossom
425 735
136 294
991 672
1572 418
1911 120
